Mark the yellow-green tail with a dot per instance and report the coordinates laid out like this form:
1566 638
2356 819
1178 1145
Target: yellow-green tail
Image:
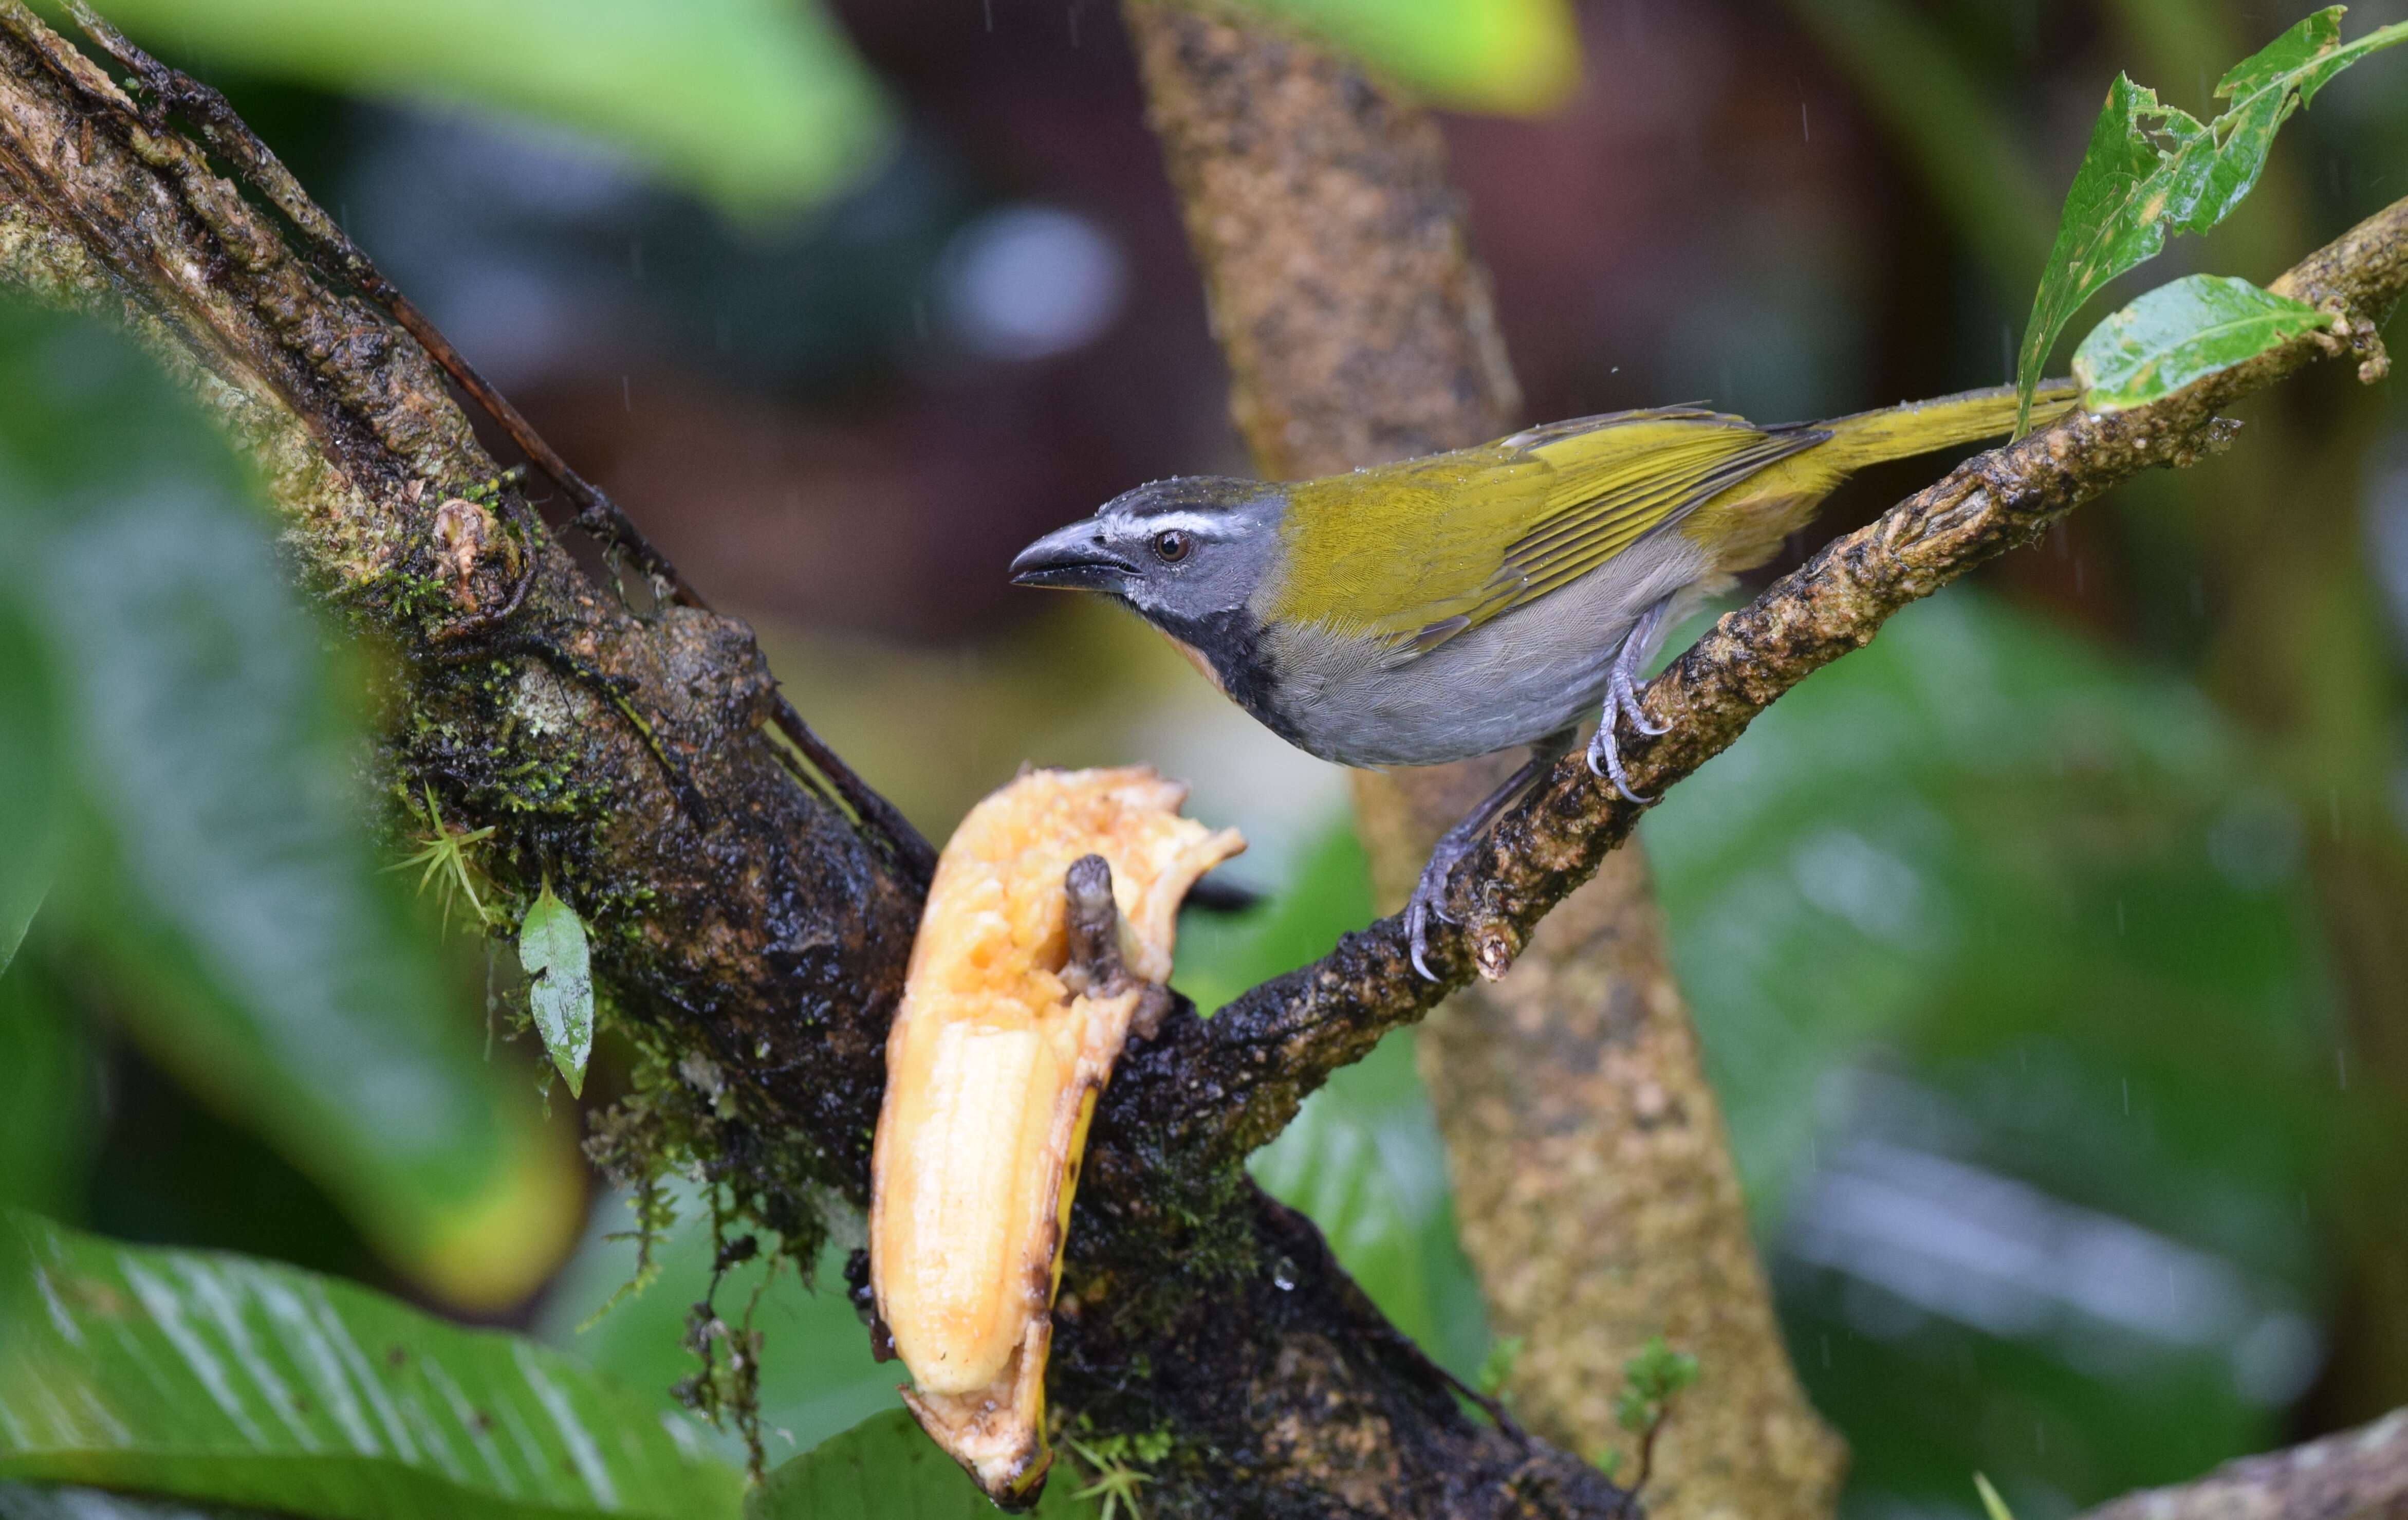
1918 427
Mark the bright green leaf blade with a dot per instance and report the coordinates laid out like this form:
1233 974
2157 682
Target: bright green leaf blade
221 869
224 1380
756 102
1992 1505
1516 56
552 952
886 1469
2183 332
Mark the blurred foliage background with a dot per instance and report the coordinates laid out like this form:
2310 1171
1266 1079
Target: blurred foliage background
2047 953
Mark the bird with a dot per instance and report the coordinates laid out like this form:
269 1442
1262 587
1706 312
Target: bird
1458 604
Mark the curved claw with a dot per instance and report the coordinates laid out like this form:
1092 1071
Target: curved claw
1603 745
1625 697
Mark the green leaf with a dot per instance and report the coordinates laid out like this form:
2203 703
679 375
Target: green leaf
551 951
887 1468
224 1380
50 1088
759 102
1516 56
2153 170
2183 332
1992 1505
221 871
29 778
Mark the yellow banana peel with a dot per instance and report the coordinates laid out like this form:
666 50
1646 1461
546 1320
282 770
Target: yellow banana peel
1032 962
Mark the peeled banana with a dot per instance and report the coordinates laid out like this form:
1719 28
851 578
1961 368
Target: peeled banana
1047 931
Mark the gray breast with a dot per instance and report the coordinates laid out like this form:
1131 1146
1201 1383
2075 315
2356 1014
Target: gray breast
1538 669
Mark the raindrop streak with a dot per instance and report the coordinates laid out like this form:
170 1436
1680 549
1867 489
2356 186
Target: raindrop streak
988 7
1826 1335
1805 125
2341 1067
2128 1095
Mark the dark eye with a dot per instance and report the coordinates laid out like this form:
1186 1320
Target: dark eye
1172 547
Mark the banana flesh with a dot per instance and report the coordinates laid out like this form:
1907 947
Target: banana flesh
1031 964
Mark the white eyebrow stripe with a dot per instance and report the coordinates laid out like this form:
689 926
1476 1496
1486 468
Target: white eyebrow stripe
1181 523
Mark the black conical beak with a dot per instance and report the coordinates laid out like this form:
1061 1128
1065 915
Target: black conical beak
1074 557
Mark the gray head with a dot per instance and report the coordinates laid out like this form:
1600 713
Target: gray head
1185 553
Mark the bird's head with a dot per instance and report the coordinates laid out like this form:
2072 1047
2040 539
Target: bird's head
1184 554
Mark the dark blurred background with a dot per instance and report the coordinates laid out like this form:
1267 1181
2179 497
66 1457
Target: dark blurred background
2051 954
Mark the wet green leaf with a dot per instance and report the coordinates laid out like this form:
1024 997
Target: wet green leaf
887 1468
221 874
2183 332
560 983
222 1380
2152 170
756 102
1516 56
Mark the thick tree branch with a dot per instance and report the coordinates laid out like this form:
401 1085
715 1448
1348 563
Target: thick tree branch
1280 1041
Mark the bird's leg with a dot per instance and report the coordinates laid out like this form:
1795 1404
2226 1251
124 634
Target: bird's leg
1622 697
1429 894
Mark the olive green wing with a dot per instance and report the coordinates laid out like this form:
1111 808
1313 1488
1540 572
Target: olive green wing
1411 555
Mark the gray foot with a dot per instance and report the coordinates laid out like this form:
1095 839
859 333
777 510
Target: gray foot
1621 699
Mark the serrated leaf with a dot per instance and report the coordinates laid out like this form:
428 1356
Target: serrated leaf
2183 332
2153 170
760 102
887 1468
560 983
224 1380
1517 56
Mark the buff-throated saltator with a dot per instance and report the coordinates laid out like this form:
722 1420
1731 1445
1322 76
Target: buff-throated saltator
1446 607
